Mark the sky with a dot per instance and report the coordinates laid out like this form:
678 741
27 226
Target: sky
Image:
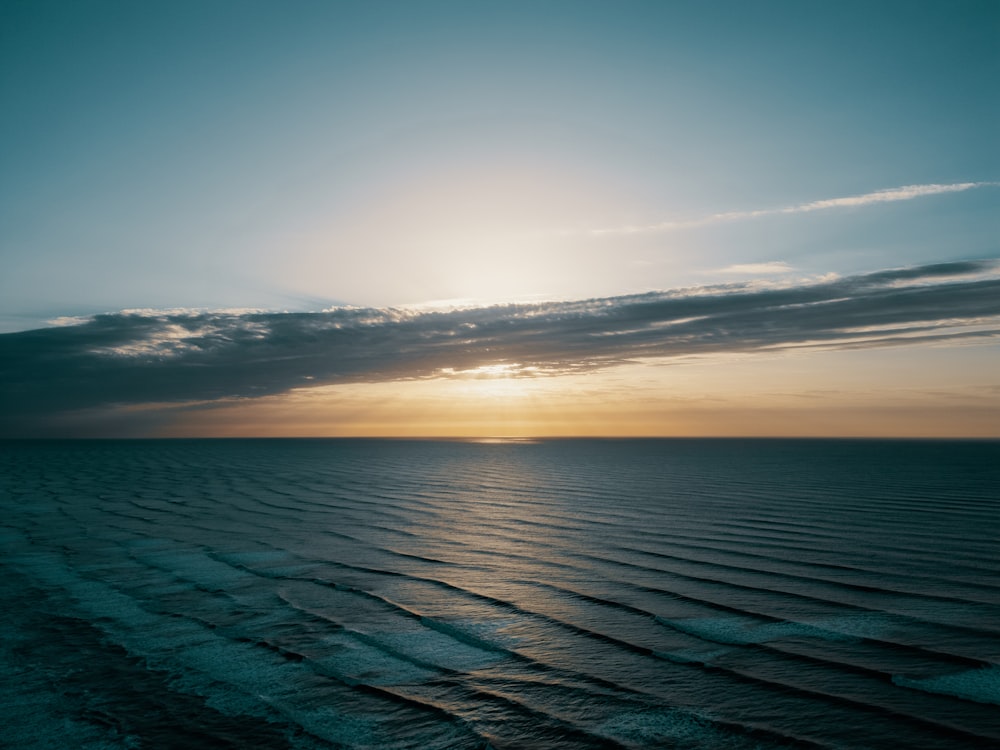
424 218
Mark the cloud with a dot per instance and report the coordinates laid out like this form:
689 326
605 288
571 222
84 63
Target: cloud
890 195
142 358
905 193
773 266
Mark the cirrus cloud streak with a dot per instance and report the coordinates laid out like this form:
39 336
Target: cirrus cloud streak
890 195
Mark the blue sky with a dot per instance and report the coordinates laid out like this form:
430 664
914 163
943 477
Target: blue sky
305 155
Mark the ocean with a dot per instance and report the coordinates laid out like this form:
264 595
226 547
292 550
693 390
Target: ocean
311 594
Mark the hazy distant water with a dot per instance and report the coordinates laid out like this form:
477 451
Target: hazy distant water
563 594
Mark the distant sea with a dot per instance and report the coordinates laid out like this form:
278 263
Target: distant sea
309 594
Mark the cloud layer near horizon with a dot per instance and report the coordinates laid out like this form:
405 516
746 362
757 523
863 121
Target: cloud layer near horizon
135 358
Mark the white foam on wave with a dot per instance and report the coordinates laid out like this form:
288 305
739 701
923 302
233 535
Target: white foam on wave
195 566
673 728
148 542
456 645
441 649
268 563
876 625
355 660
479 634
980 685
693 655
256 557
744 631
241 678
234 677
251 679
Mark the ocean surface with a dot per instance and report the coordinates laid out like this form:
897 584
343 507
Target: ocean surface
309 594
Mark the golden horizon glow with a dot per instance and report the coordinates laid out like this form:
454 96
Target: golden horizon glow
851 394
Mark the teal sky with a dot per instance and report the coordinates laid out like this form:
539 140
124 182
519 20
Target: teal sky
304 154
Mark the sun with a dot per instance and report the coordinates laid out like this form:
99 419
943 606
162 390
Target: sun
503 381
493 371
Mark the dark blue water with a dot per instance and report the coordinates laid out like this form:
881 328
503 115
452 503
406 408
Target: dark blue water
559 594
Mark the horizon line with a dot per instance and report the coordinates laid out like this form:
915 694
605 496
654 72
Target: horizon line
497 439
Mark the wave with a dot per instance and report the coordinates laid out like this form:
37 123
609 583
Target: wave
981 685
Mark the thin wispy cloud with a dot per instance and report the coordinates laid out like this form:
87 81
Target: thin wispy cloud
768 267
138 358
890 195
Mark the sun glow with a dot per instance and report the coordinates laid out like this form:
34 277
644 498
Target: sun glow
501 381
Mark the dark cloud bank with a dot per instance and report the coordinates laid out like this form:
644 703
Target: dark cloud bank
142 358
